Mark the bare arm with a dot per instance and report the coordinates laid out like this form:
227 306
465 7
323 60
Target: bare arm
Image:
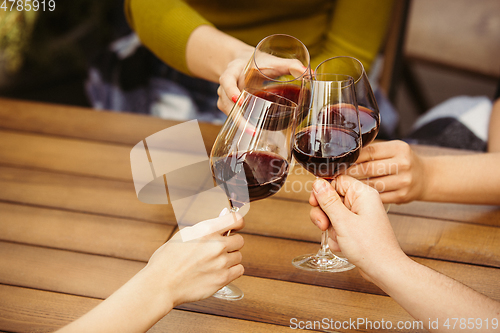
429 296
135 307
218 57
401 175
494 128
209 52
214 55
361 229
178 272
470 179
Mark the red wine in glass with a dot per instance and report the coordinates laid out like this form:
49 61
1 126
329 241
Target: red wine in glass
370 122
289 91
264 174
276 118
327 154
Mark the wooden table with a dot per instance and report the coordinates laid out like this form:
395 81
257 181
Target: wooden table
72 231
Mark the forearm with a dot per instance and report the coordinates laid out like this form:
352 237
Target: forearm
135 307
470 179
209 51
494 133
429 296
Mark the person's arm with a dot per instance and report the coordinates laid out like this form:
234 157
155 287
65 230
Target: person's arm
494 126
209 52
218 57
401 175
429 296
178 272
359 227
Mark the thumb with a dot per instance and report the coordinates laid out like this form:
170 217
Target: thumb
329 201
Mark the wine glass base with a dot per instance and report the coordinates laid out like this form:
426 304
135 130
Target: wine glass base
328 262
229 293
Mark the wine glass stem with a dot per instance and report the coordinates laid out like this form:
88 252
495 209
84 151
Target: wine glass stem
233 210
325 248
230 291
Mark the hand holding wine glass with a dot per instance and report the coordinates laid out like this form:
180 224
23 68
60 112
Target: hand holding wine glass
252 153
354 216
394 169
277 65
326 143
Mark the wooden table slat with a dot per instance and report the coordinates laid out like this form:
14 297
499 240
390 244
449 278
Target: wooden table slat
107 236
88 124
81 194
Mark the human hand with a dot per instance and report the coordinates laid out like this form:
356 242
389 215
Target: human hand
236 76
196 269
357 224
393 169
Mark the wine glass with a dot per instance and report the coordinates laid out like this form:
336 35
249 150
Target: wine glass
278 64
369 115
326 143
251 156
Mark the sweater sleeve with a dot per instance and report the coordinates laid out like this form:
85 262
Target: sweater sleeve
357 29
164 27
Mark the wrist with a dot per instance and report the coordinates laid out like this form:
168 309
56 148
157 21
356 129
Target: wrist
209 51
387 272
159 295
428 186
244 51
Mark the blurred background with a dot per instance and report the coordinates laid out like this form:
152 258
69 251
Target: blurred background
436 49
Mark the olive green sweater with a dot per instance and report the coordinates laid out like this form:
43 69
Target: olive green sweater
327 27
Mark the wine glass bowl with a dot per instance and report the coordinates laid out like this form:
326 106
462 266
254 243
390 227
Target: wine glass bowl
369 115
326 143
278 64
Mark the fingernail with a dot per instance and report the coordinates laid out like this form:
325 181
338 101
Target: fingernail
223 212
320 186
250 131
234 98
316 223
